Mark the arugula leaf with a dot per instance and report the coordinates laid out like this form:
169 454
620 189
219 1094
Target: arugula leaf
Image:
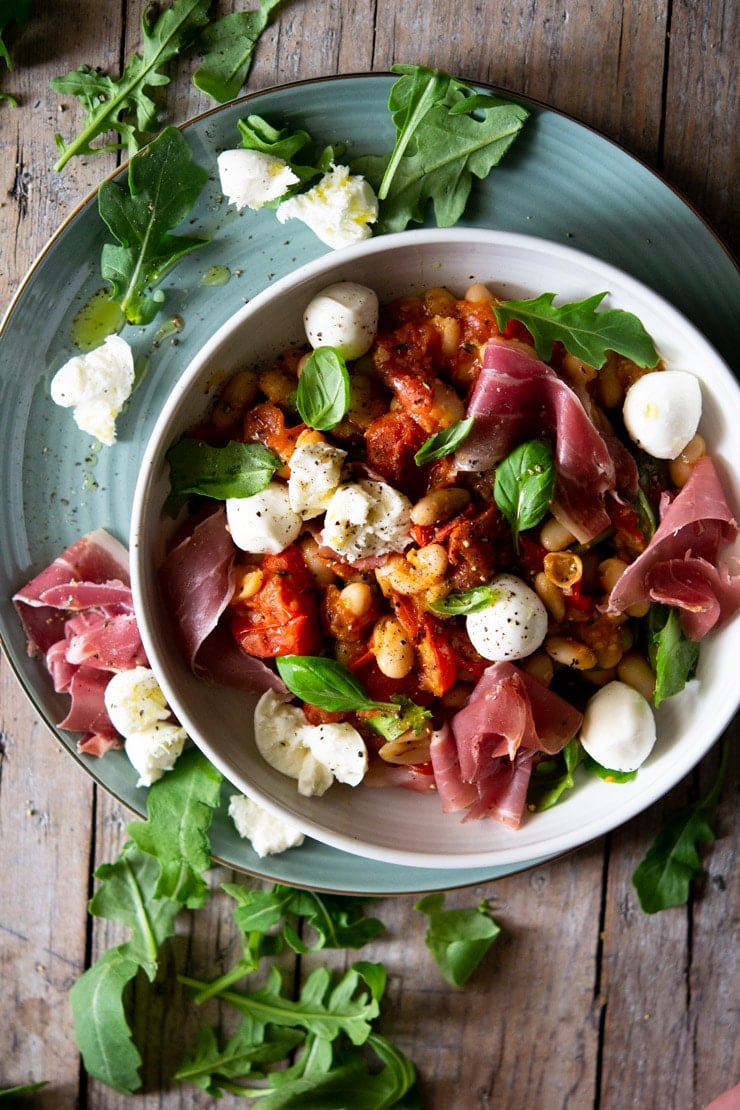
228 46
257 134
323 395
673 655
443 443
111 103
179 813
236 470
458 602
163 185
102 1031
607 774
663 877
326 683
237 1058
9 1094
458 939
440 146
409 718
129 892
523 484
14 11
583 331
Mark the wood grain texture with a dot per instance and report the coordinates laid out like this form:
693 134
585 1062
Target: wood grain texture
584 1001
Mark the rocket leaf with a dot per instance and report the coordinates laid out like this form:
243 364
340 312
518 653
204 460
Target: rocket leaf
163 185
228 46
122 104
582 330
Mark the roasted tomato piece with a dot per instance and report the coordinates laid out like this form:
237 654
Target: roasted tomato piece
282 617
479 547
391 442
265 424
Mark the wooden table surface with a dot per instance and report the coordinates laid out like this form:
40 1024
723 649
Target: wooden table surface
584 1001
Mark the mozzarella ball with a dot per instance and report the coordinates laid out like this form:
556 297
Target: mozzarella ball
662 412
344 316
513 626
618 729
263 524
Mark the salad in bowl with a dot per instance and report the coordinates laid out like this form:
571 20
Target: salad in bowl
436 563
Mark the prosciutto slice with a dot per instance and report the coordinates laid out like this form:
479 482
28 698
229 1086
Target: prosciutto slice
198 580
680 565
483 761
78 615
516 397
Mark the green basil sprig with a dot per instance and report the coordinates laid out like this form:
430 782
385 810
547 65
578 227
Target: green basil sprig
326 683
322 397
524 483
236 470
459 602
444 442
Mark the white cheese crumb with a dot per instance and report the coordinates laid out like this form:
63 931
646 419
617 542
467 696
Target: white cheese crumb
139 711
512 626
315 473
314 755
339 209
249 178
268 834
367 518
343 316
263 524
96 386
662 412
618 729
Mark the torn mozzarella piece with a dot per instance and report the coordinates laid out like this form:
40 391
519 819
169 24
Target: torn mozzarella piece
315 473
618 729
314 755
96 385
343 316
249 178
367 518
268 834
138 710
513 626
339 209
662 411
263 524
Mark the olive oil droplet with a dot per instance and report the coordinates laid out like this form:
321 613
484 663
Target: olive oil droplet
217 275
97 319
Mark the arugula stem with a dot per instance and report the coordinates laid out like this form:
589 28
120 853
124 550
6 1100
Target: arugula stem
423 105
223 982
141 913
711 799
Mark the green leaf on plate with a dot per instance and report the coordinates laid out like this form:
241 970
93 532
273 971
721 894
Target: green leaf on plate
323 393
236 470
163 185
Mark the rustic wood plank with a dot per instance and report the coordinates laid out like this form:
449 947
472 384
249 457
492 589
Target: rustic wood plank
702 101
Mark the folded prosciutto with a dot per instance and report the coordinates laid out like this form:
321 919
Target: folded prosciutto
680 567
516 397
78 615
483 760
198 581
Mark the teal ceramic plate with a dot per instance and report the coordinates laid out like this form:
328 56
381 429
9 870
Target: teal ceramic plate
561 181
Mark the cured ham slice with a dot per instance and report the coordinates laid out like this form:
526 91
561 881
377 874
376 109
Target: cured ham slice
483 761
78 615
198 580
680 567
516 397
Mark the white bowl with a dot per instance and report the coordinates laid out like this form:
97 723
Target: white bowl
395 825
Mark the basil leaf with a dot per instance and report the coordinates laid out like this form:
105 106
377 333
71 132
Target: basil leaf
322 397
524 483
585 333
444 442
326 683
465 601
672 654
237 470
